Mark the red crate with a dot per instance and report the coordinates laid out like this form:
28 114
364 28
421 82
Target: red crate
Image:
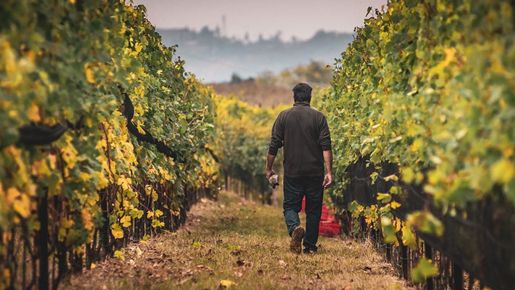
329 225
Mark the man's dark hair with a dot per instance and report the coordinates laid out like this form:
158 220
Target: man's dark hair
302 93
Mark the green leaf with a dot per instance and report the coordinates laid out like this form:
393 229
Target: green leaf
388 230
425 222
408 237
424 269
384 197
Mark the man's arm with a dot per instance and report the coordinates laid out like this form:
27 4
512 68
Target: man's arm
276 142
269 165
325 142
328 163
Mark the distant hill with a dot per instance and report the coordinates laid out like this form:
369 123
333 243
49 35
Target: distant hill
214 58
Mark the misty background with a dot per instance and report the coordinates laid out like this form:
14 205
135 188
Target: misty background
237 40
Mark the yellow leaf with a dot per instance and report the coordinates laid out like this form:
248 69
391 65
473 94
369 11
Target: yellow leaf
450 56
69 154
502 171
124 182
22 206
384 197
40 168
158 213
408 175
20 202
395 204
140 128
196 244
12 195
117 231
416 145
408 238
83 176
397 224
119 255
102 181
88 72
126 221
88 122
6 274
226 283
392 177
148 189
66 223
138 47
33 113
86 219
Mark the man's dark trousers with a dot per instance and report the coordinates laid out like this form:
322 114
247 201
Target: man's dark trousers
295 188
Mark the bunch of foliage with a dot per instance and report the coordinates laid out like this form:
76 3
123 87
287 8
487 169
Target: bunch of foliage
72 62
243 134
429 87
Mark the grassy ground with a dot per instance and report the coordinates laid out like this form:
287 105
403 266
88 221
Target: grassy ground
242 244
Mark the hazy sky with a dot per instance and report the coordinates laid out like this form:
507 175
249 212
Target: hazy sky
299 18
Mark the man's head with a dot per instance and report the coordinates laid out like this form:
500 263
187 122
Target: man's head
302 93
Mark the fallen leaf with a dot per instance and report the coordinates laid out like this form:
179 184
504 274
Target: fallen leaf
119 255
226 283
138 251
196 244
283 263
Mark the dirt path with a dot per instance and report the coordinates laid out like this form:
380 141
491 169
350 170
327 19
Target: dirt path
242 244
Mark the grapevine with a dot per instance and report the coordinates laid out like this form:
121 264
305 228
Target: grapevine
422 111
70 70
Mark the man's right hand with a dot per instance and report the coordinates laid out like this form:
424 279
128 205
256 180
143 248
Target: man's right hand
269 173
269 165
328 180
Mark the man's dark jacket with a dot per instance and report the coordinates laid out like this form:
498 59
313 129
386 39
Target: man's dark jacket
304 133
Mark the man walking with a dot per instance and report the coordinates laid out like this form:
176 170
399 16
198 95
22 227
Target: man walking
304 133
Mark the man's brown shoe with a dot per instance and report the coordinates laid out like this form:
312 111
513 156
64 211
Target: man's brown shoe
296 239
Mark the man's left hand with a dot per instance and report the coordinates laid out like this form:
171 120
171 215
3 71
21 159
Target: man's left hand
328 180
